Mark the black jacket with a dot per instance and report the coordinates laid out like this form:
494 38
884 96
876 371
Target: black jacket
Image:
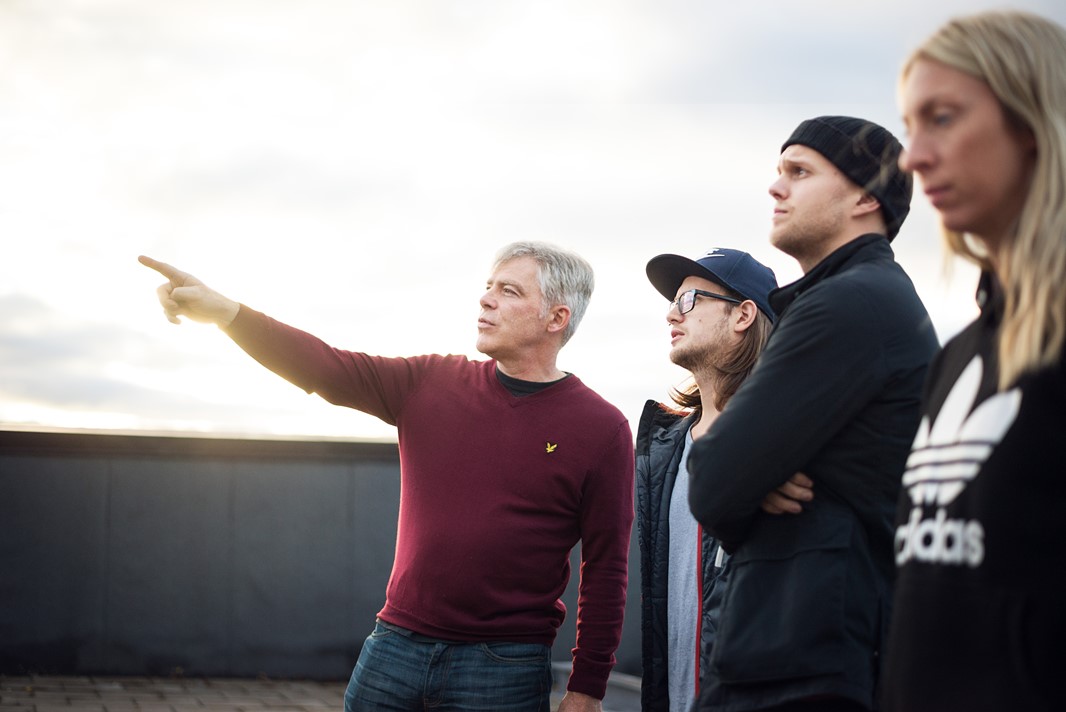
835 395
660 444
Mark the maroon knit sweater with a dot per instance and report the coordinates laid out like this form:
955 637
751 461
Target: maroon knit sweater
495 492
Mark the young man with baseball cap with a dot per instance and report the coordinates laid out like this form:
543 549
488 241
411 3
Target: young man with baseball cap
719 318
835 396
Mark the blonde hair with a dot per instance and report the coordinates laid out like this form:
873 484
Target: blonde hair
1022 59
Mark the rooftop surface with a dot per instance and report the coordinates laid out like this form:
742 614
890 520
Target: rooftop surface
46 693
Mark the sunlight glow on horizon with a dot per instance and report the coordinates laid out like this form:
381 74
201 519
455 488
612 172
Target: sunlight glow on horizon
351 168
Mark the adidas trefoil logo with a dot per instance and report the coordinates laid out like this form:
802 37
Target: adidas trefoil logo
948 455
945 458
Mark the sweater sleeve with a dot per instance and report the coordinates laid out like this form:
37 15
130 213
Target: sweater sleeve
823 364
375 385
606 523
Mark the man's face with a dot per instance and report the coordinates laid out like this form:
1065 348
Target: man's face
513 315
702 336
813 201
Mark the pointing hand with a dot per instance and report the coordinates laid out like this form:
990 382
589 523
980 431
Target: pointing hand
185 295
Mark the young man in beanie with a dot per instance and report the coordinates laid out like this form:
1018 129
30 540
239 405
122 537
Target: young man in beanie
719 321
835 396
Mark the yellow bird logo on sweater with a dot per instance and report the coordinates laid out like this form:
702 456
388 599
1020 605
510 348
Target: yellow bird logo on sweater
549 447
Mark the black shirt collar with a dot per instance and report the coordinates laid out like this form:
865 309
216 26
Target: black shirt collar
990 297
519 388
834 262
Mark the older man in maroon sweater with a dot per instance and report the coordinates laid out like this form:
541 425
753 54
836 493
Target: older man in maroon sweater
505 465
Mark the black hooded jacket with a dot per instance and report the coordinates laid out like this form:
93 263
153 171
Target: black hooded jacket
835 395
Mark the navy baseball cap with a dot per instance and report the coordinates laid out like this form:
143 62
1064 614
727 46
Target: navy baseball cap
733 269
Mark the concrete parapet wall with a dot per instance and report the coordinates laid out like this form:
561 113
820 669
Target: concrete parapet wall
150 555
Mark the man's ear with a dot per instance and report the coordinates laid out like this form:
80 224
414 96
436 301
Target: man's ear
744 315
867 204
558 318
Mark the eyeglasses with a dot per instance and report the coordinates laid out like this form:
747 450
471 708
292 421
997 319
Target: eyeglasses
687 300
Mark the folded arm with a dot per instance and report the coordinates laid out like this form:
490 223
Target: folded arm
818 370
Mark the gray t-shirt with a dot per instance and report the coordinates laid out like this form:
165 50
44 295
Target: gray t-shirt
683 594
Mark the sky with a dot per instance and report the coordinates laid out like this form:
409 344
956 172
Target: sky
351 167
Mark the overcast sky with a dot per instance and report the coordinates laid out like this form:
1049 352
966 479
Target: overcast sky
350 168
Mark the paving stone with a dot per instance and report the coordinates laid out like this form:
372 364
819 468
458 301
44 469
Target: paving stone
169 694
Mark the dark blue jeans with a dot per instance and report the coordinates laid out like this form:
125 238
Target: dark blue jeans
400 671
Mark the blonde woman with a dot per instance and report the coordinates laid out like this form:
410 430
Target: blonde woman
980 604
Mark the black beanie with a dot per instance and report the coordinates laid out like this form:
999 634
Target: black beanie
867 154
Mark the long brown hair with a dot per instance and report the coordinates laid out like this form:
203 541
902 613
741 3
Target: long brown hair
732 371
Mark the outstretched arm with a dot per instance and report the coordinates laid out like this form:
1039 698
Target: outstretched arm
372 384
184 295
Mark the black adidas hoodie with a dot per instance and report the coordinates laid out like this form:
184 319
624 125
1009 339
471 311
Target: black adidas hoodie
980 605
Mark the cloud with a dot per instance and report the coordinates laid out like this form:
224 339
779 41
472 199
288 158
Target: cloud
352 167
53 361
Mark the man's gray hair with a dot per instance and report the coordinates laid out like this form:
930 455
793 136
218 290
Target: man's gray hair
565 277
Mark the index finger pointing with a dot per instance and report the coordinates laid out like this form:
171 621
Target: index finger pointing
161 267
